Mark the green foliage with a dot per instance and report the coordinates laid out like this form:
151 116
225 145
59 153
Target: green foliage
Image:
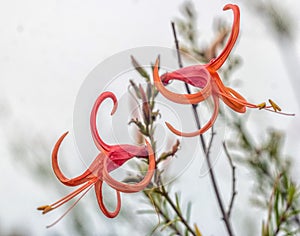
271 171
282 213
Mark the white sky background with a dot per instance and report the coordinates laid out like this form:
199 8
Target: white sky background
47 48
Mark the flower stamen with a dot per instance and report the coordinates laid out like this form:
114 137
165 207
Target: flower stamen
65 199
261 105
41 208
274 105
68 210
47 209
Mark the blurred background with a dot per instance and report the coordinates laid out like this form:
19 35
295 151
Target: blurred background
47 49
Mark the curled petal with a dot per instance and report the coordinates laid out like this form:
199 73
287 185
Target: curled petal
229 96
180 98
131 188
216 63
101 145
98 191
234 100
87 175
204 128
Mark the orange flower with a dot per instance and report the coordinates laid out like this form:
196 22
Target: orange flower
110 158
207 78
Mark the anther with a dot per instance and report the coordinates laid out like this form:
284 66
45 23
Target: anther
47 209
274 105
261 105
41 208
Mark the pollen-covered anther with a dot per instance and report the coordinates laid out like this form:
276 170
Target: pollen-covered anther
47 209
274 105
41 208
261 105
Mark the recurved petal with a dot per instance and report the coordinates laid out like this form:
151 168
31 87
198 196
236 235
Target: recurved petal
131 188
216 63
99 195
229 96
101 145
180 98
208 125
234 100
87 175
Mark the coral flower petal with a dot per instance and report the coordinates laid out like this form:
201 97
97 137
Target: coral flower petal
101 145
229 96
208 125
88 174
234 100
131 188
196 75
98 191
216 63
180 98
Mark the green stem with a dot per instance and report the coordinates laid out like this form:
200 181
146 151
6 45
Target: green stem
182 219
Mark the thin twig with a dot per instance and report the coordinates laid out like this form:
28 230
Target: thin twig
162 191
210 141
206 152
177 45
182 219
282 219
296 219
233 191
271 199
197 119
166 218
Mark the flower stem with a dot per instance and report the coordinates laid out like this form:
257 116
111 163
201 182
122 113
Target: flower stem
160 189
182 219
162 213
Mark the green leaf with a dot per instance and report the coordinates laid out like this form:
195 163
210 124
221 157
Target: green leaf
136 89
177 202
293 213
291 194
188 216
149 91
140 69
276 207
146 212
188 211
